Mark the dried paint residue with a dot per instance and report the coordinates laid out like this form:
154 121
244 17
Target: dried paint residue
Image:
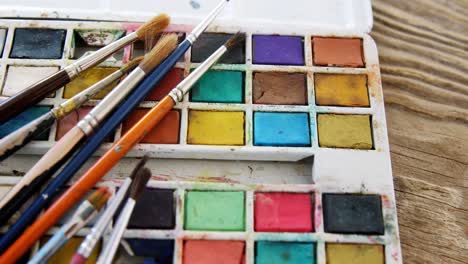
341 89
345 131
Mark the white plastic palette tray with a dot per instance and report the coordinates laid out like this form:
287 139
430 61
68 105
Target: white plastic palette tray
313 169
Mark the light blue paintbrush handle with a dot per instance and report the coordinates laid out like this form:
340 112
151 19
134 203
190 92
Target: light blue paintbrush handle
49 249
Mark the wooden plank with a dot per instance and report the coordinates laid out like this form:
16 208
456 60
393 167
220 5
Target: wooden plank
423 48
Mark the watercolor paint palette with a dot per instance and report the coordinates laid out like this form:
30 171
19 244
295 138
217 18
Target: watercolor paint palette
279 154
185 222
274 97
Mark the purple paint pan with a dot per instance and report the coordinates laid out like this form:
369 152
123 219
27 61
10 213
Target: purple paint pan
279 50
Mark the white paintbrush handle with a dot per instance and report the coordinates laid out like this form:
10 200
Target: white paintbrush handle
93 237
119 228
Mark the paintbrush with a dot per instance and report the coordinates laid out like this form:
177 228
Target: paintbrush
54 158
137 188
87 246
85 212
60 152
120 148
66 201
14 105
16 140
66 145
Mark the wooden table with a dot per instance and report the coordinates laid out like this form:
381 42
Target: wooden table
423 48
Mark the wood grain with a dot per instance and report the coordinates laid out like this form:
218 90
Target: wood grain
423 48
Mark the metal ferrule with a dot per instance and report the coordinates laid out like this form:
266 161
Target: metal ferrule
96 232
88 124
184 86
99 56
77 100
119 228
100 111
205 22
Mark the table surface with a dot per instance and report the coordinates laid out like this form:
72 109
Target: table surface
423 49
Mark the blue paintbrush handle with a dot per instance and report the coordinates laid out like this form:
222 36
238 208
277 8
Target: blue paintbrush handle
55 242
109 125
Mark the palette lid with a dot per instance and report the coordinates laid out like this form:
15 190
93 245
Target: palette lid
315 16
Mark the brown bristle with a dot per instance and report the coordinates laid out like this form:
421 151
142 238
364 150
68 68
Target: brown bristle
161 50
154 26
99 198
131 64
139 184
234 40
139 165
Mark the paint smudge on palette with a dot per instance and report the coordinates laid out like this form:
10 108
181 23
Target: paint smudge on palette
86 41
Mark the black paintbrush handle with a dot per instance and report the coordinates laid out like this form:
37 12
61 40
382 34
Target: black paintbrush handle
32 95
16 140
46 167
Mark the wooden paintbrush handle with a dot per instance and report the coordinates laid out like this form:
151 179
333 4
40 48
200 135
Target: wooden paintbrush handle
38 175
16 140
100 168
32 95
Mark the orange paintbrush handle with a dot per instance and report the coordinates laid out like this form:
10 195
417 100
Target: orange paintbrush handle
90 178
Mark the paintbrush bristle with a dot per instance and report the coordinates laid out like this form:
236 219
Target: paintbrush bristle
139 184
154 26
234 40
139 165
99 197
161 50
131 64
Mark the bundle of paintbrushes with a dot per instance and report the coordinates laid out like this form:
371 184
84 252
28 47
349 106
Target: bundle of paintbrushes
38 91
107 255
85 213
73 195
91 240
59 153
14 141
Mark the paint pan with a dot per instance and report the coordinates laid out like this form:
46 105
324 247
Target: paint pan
279 154
272 97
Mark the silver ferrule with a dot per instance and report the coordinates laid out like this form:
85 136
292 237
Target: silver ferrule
99 55
96 232
184 86
119 228
91 121
82 215
88 124
206 21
